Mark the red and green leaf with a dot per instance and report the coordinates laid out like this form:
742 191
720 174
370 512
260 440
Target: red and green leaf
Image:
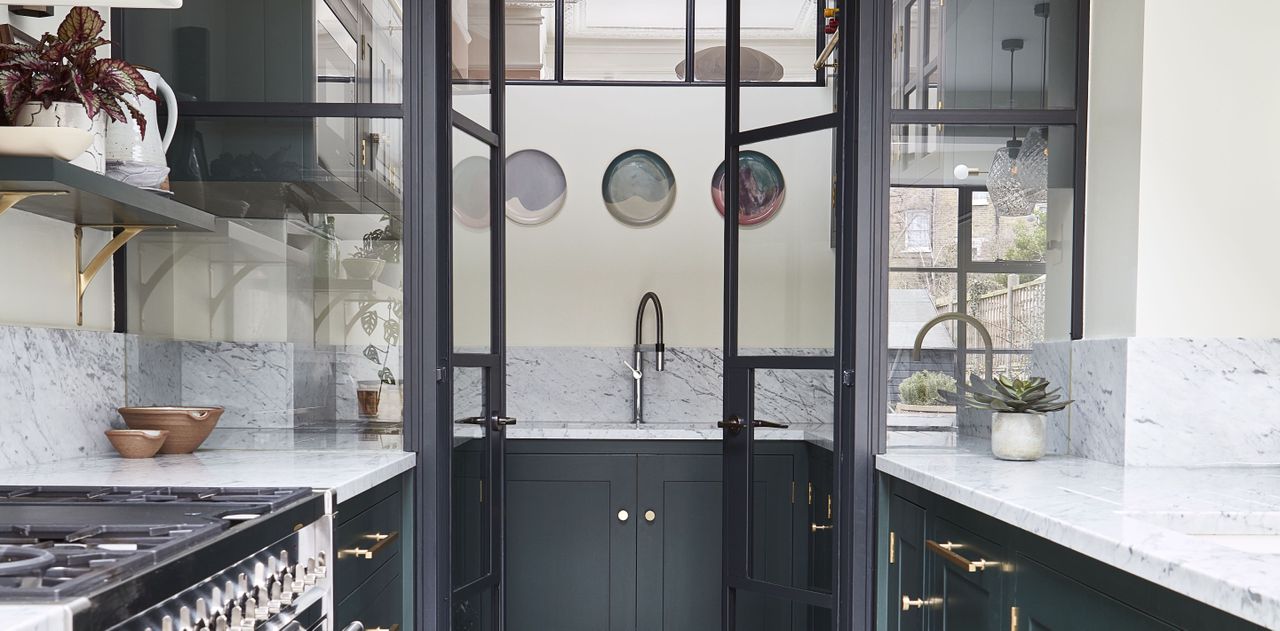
81 23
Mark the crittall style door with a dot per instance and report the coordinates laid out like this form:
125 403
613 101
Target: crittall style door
784 303
474 323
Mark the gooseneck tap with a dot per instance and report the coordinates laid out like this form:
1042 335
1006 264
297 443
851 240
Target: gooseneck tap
637 369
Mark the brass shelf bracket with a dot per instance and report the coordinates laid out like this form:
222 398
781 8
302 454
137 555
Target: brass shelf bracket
85 275
9 198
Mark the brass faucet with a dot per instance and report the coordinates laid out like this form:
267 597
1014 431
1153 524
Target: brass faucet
955 315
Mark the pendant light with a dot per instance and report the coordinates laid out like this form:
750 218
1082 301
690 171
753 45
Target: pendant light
1008 195
1034 170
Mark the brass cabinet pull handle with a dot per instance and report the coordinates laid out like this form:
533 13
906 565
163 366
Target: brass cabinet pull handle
820 527
947 551
650 516
394 627
380 541
908 602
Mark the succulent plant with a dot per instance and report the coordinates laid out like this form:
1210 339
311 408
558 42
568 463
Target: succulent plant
1013 395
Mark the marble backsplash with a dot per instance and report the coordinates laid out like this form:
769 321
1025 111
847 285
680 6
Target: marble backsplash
1163 401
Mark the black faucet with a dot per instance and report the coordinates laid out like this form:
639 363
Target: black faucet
637 369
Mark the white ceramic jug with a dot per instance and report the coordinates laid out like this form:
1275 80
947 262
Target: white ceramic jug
136 159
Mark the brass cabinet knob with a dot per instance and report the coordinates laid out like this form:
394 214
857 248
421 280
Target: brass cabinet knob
908 603
650 516
623 515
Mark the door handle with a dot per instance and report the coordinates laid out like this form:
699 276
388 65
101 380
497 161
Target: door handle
948 552
735 424
820 527
909 603
500 422
472 420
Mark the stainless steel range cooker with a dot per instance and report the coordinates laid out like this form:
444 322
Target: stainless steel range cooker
168 559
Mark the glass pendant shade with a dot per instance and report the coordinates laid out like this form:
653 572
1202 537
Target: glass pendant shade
1009 197
1033 164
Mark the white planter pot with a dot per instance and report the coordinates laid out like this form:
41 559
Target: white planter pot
73 115
363 269
1017 436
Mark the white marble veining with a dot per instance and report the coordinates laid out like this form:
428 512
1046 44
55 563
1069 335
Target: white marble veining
1202 401
1161 524
1052 360
570 384
1098 374
347 473
58 392
253 381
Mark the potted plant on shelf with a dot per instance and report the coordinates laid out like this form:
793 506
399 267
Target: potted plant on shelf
389 387
59 81
364 263
1020 406
385 244
922 392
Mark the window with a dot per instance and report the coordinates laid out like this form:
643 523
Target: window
919 232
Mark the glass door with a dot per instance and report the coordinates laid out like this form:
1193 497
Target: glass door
781 377
476 291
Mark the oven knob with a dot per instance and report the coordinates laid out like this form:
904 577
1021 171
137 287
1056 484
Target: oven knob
220 624
259 573
284 558
184 618
242 584
166 624
236 616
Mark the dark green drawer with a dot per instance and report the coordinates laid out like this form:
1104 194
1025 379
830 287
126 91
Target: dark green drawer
365 542
378 603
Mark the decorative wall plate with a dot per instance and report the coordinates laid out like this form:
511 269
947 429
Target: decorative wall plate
471 192
639 187
761 188
536 187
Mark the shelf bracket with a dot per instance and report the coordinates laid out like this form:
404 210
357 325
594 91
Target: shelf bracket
9 198
85 275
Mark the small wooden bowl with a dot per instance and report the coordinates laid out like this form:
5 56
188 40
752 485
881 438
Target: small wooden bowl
137 443
188 426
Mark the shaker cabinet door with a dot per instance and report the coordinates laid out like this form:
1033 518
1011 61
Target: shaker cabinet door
571 552
960 597
905 573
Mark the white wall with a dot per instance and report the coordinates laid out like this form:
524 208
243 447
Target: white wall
576 280
1182 211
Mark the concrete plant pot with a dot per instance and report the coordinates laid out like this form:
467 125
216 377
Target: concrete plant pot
1017 436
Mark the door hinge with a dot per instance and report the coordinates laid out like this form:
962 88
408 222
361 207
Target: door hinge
793 491
811 494
439 375
893 545
482 491
846 378
1013 619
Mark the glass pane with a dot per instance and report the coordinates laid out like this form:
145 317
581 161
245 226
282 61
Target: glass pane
387 60
999 238
992 54
792 490
786 280
915 298
758 612
471 508
623 40
474 612
270 168
469 57
384 169
779 40
299 52
923 226
472 212
1010 306
530 41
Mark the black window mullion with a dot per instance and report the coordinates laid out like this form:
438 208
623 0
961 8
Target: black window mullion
690 29
559 44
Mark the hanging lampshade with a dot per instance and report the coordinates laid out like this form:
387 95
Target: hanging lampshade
1009 197
1033 164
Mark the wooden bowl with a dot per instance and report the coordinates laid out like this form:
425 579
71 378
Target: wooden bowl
187 426
137 443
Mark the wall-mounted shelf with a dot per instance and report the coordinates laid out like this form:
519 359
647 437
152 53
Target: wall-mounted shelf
87 198
354 289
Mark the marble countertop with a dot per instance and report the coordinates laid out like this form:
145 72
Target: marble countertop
345 473
1210 533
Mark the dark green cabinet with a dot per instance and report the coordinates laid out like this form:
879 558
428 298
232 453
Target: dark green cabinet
574 564
570 556
946 567
372 587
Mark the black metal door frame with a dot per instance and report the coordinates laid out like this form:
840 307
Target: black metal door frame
430 356
857 365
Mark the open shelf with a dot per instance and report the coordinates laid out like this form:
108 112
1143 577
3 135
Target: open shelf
93 199
354 289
